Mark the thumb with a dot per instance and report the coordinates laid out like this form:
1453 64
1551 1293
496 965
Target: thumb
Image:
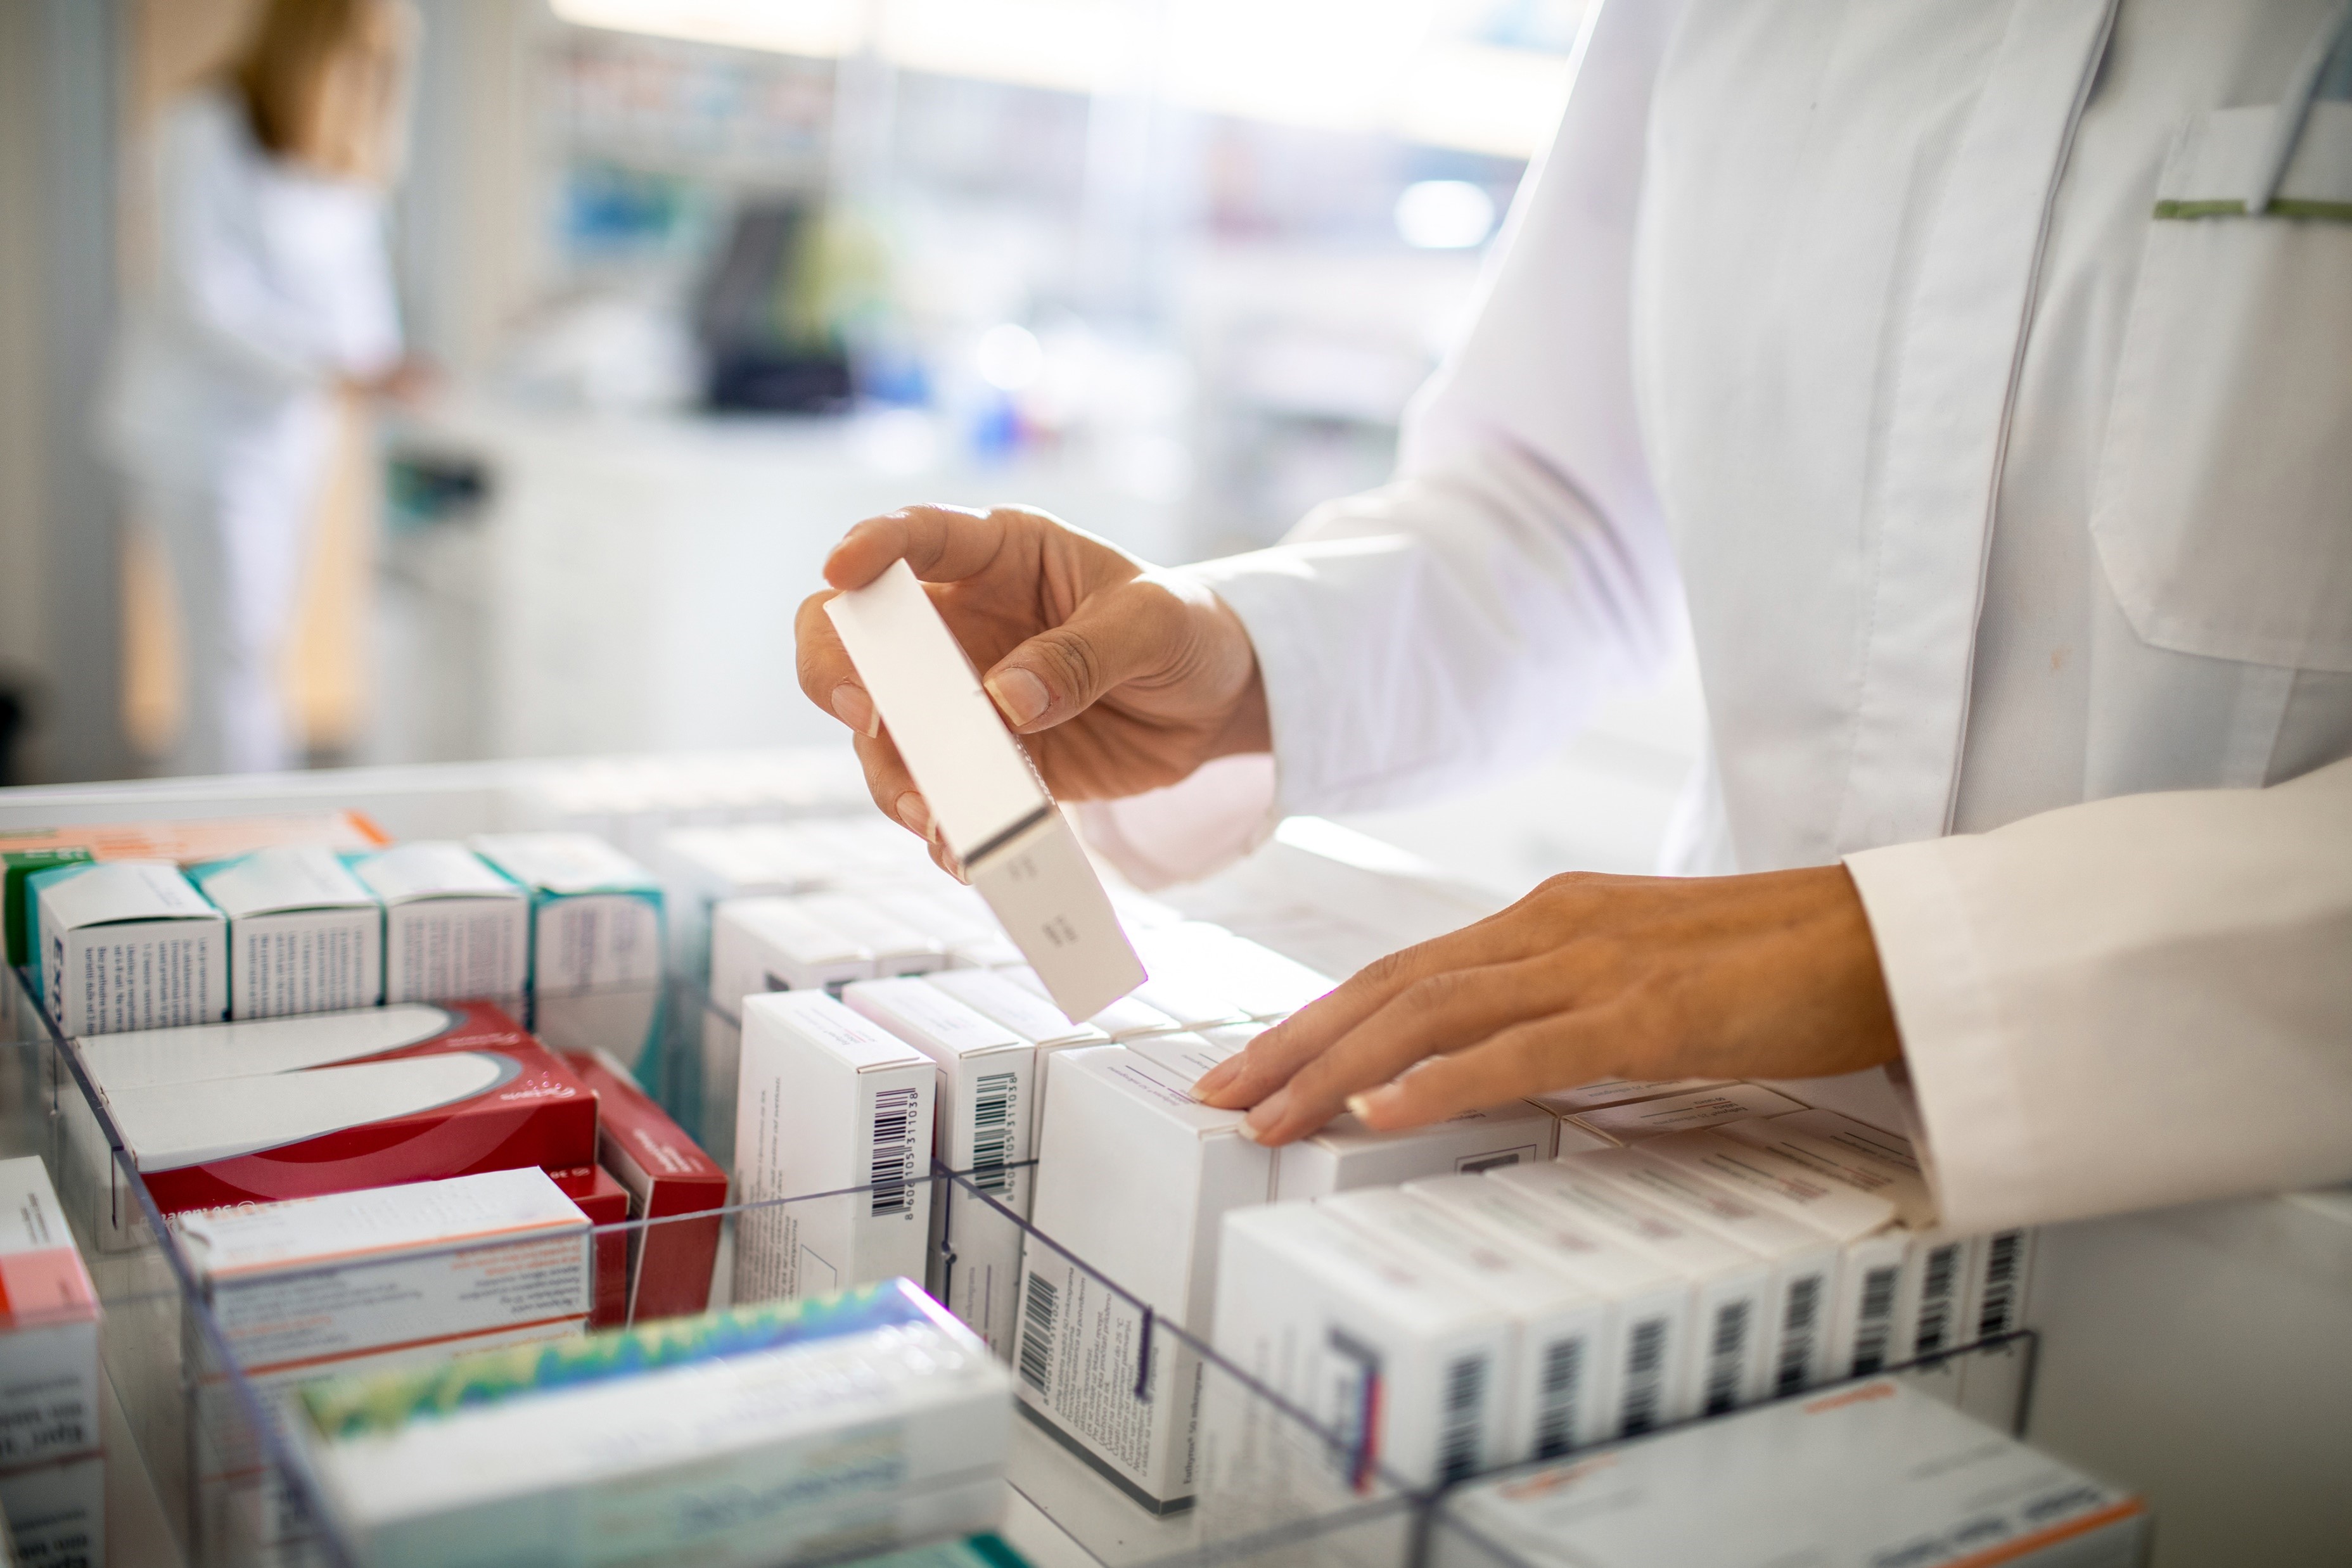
1117 635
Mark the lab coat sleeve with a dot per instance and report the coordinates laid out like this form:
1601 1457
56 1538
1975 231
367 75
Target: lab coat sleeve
1466 617
2140 1002
215 276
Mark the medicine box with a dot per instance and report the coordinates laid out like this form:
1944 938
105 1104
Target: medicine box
1402 1364
1648 1330
665 1177
1606 1092
453 928
784 1432
829 1104
304 936
1681 1112
1550 1385
183 841
1800 1299
595 940
337 1102
55 1512
128 944
897 948
991 807
986 1077
1875 1474
48 1326
995 996
1347 1155
1730 1285
1258 981
1135 1176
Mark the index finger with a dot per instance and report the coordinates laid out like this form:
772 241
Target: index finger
824 670
942 544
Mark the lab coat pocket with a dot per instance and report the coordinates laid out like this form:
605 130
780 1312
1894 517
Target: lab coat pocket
2223 505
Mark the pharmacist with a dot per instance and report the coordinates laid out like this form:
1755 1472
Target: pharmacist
272 296
1981 376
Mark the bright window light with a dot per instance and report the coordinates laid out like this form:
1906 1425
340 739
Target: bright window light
1444 215
1390 65
1010 357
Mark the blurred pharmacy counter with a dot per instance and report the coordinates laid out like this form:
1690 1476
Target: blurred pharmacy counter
2201 1356
629 584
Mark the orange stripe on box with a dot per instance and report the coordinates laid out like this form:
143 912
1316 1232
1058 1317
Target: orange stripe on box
2010 1551
580 1318
552 1227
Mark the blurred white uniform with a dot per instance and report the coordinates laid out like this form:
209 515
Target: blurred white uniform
2005 465
272 283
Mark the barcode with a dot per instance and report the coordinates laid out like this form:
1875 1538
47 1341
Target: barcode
991 1132
1797 1334
1037 1331
1465 1404
1723 1356
2000 1284
1877 1319
1645 1369
1936 1297
1563 1383
893 1152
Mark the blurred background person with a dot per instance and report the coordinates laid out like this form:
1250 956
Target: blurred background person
272 296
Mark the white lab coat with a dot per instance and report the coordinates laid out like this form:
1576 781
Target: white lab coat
272 282
1994 496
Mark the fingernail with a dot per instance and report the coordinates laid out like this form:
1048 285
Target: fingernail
856 709
914 813
1368 1104
1267 1115
1216 1077
1021 694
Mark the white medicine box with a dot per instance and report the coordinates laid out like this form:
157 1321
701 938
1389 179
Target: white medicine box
129 944
453 928
304 936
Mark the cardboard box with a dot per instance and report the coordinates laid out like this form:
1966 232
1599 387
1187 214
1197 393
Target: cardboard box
1807 1263
595 940
185 841
1873 1474
986 1080
306 1285
255 1113
1184 1055
1406 1367
1683 1112
996 998
897 948
304 936
1259 981
1731 1285
1991 1297
1868 1329
967 933
991 809
1602 1092
600 1196
48 1326
759 945
56 1513
666 1178
453 928
1129 1018
128 944
1646 1331
1134 1176
829 1103
785 1432
1347 1155
1549 1388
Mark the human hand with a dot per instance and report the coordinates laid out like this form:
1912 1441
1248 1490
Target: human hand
405 380
1768 976
1120 678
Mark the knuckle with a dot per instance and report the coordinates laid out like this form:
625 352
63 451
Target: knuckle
1076 665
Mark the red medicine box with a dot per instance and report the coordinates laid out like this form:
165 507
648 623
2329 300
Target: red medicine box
666 1175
